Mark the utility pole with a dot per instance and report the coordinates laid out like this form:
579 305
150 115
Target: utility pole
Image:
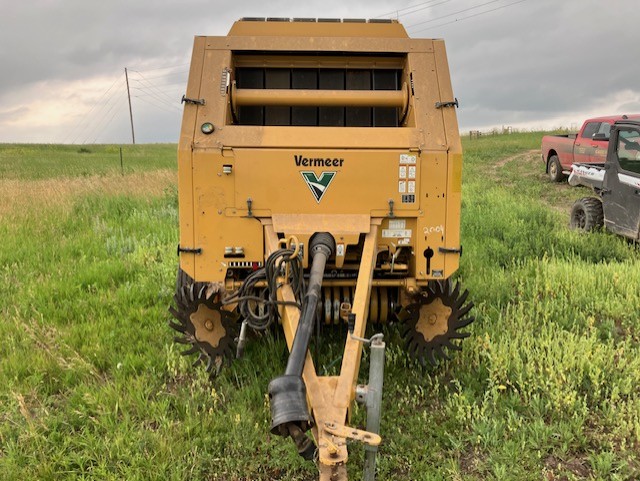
133 135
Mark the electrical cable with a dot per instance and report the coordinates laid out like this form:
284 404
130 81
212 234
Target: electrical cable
174 74
99 123
397 13
143 80
454 13
148 101
115 113
140 92
83 120
162 68
471 16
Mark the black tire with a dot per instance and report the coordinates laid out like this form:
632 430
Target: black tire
586 214
554 169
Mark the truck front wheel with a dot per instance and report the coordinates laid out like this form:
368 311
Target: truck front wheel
586 214
554 169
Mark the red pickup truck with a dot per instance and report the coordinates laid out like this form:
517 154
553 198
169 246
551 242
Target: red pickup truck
589 146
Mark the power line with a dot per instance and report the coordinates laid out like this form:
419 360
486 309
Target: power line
143 93
146 100
417 7
116 112
470 16
183 84
454 13
161 68
103 111
100 123
143 81
153 93
174 74
83 119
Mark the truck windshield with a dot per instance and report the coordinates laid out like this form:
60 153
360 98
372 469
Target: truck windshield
629 150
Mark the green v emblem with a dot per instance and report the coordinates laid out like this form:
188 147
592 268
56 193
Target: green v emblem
318 186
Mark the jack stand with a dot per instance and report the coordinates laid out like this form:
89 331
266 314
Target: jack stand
371 396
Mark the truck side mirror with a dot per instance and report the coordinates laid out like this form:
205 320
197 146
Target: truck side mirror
604 137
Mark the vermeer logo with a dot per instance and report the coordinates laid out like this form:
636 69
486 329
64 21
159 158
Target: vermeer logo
318 186
317 161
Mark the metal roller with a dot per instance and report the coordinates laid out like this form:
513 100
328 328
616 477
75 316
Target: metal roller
382 303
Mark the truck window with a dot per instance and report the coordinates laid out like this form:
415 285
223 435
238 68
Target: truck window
590 129
605 128
629 150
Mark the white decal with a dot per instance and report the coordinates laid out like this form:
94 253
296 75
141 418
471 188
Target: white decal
434 229
629 180
402 186
411 186
396 233
395 224
403 172
412 171
407 159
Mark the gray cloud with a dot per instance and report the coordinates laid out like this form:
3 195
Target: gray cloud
527 63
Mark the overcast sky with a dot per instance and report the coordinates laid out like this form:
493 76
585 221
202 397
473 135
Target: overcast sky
522 63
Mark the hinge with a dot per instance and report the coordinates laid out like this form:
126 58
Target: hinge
450 250
191 101
450 103
189 250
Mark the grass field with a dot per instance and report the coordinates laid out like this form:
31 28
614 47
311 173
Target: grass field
92 387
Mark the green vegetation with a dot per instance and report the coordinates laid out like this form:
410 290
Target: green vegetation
92 387
52 161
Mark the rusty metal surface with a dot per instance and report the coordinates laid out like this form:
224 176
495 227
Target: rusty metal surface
340 430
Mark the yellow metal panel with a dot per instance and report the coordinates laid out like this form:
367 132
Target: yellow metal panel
446 94
317 29
427 93
306 43
309 137
431 228
454 171
319 61
340 224
362 181
185 179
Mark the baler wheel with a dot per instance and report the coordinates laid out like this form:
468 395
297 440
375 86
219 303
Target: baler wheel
433 321
204 325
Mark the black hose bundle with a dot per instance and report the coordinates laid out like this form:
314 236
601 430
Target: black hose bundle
259 307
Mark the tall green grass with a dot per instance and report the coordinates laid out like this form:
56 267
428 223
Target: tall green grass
92 386
46 161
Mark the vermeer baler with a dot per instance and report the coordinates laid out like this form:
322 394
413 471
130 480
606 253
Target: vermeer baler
319 182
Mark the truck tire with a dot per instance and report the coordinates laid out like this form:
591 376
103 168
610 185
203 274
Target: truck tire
586 214
554 169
